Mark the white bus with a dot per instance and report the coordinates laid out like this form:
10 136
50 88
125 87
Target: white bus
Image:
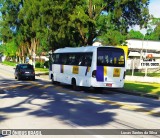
89 66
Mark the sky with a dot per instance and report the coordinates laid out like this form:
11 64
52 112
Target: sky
154 9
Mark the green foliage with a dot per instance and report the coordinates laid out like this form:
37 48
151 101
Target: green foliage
9 49
153 31
46 64
41 25
39 64
146 88
2 48
9 63
135 35
112 37
42 70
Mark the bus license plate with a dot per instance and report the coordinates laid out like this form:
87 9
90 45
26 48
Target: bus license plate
109 84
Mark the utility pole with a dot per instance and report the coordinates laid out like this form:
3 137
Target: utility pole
133 66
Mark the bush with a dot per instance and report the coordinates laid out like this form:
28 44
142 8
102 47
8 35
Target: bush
46 64
37 65
40 64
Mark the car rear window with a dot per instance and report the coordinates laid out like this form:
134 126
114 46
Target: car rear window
26 67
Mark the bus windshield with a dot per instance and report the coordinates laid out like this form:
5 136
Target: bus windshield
110 57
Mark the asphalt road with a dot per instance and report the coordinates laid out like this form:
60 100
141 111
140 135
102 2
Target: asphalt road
42 105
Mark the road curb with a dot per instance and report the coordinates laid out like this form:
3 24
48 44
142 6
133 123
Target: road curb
43 77
121 90
136 93
41 73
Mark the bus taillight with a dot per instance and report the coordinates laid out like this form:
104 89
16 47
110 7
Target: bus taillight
94 73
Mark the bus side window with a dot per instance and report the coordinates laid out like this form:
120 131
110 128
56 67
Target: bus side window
71 59
76 58
100 60
51 58
84 59
64 59
81 60
88 59
68 60
56 58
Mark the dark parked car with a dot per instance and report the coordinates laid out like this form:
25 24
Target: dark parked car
24 71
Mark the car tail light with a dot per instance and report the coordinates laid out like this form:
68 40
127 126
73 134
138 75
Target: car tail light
94 73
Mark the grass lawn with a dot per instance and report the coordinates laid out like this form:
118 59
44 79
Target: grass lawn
39 70
42 70
9 63
148 88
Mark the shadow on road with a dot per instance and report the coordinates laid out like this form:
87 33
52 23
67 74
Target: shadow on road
62 103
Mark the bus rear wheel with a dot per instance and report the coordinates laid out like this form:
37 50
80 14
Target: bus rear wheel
74 86
53 81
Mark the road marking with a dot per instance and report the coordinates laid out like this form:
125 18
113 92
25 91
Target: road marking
91 98
125 106
15 86
11 87
113 103
31 86
46 86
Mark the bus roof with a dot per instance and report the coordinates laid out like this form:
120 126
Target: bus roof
79 49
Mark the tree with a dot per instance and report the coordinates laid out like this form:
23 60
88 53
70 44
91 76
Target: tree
30 25
9 49
157 31
50 24
10 24
135 35
78 22
89 22
153 31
